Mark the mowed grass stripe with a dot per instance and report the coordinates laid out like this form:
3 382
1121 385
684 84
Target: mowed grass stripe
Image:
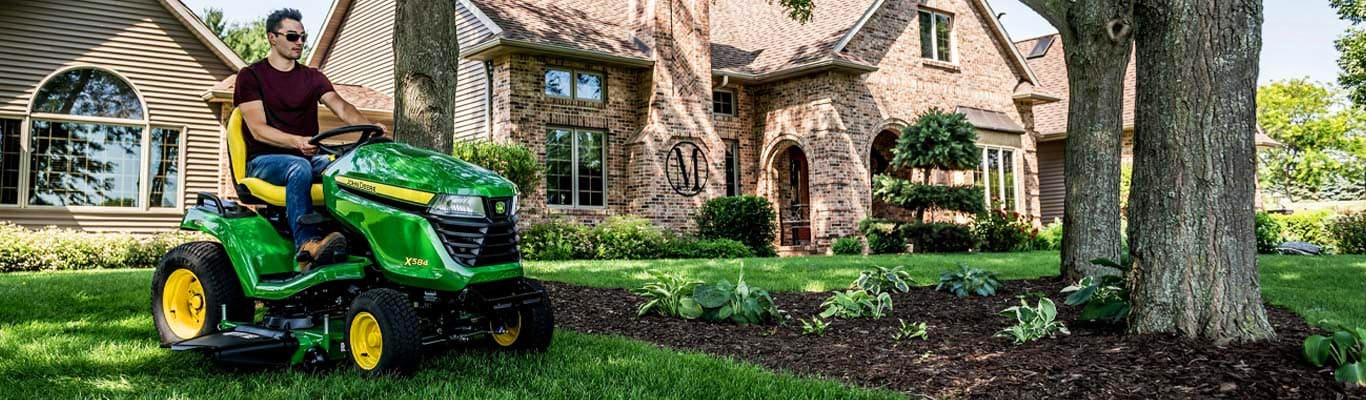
89 334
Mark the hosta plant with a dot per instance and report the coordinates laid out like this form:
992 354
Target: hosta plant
1105 299
851 304
814 326
910 331
738 303
967 281
1033 323
669 295
1343 351
881 279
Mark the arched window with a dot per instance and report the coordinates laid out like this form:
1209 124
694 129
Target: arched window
90 144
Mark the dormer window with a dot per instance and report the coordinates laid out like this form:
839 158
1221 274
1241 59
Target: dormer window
936 36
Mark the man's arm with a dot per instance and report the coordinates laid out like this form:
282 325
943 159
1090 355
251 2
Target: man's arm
254 114
346 111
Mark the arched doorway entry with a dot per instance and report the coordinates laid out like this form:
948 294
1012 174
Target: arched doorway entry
793 187
880 163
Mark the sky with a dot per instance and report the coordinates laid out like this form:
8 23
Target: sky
1297 36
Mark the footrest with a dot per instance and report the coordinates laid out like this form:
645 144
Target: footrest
244 345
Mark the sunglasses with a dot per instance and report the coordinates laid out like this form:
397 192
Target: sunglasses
292 36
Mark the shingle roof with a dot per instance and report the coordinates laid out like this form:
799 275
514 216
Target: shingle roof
594 25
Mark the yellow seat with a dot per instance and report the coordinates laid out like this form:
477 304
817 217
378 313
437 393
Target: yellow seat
249 189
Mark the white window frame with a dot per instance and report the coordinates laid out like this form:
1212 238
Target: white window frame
574 168
1015 172
934 35
734 102
574 84
144 170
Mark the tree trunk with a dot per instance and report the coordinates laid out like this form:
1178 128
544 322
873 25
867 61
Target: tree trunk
1191 211
1098 41
426 59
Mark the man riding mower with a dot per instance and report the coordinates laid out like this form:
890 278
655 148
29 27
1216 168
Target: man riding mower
432 258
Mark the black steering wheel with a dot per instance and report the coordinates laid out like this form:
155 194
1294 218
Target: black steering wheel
368 134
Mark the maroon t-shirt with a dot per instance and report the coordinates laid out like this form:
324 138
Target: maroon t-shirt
291 101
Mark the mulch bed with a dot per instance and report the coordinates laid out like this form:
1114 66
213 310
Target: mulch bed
962 359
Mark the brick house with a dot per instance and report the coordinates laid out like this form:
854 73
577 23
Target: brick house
651 107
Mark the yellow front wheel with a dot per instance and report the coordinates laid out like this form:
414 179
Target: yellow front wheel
382 333
529 328
192 287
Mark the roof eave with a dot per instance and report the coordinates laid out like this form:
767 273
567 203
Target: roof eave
1035 98
335 14
801 69
499 45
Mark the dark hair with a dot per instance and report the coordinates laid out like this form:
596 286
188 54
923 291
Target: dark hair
273 21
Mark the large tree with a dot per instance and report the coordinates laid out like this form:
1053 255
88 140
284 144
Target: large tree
1352 47
1191 208
247 40
1097 36
1322 137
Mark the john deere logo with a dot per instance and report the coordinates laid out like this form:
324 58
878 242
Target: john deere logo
500 207
686 168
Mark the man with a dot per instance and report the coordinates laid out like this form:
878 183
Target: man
279 99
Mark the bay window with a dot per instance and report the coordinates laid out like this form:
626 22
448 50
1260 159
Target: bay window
997 177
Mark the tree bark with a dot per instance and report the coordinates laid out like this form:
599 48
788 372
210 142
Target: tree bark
426 60
1191 210
1098 41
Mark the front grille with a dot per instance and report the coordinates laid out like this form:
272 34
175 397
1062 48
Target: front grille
478 242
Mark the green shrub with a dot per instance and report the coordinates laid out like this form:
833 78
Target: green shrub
712 248
668 295
855 303
1000 232
883 236
747 219
1050 237
627 237
847 246
937 140
1349 231
1268 233
882 279
1033 323
674 296
53 248
916 196
967 281
1307 226
513 161
938 237
557 240
1345 351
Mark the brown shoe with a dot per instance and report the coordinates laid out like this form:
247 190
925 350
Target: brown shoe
328 250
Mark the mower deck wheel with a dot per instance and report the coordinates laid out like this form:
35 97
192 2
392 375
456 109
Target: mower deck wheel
530 328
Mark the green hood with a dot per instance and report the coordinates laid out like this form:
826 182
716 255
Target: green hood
420 169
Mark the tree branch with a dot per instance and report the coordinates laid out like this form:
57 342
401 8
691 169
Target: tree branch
1054 11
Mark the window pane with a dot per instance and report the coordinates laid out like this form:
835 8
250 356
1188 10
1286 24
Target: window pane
559 157
1008 181
992 177
82 164
732 172
977 175
942 37
926 35
9 161
88 92
165 167
589 87
590 168
557 83
723 102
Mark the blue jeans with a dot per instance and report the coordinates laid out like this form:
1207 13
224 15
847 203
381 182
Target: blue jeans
296 174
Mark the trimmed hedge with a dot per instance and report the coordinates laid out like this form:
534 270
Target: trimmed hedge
557 240
747 219
1350 232
53 248
938 237
884 236
847 246
1307 226
1268 233
628 237
513 161
914 196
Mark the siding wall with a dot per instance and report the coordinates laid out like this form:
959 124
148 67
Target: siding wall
1051 189
139 39
363 54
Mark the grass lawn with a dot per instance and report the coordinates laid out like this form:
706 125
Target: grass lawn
1317 288
67 335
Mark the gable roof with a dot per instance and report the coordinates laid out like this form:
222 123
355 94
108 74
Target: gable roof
203 33
758 37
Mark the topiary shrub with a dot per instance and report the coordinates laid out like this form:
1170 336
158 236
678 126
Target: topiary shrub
999 231
513 161
847 246
708 248
628 237
1268 233
883 236
1306 226
747 219
938 237
557 240
1349 231
937 140
53 248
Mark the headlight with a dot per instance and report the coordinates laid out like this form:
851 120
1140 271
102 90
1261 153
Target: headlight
458 206
513 210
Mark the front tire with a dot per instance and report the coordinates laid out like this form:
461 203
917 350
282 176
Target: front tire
529 329
382 335
192 286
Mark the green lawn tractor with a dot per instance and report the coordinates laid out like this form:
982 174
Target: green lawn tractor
432 259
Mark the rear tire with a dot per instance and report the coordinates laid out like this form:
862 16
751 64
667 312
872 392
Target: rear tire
192 286
530 329
382 335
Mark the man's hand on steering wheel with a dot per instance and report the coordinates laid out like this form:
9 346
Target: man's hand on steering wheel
367 134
